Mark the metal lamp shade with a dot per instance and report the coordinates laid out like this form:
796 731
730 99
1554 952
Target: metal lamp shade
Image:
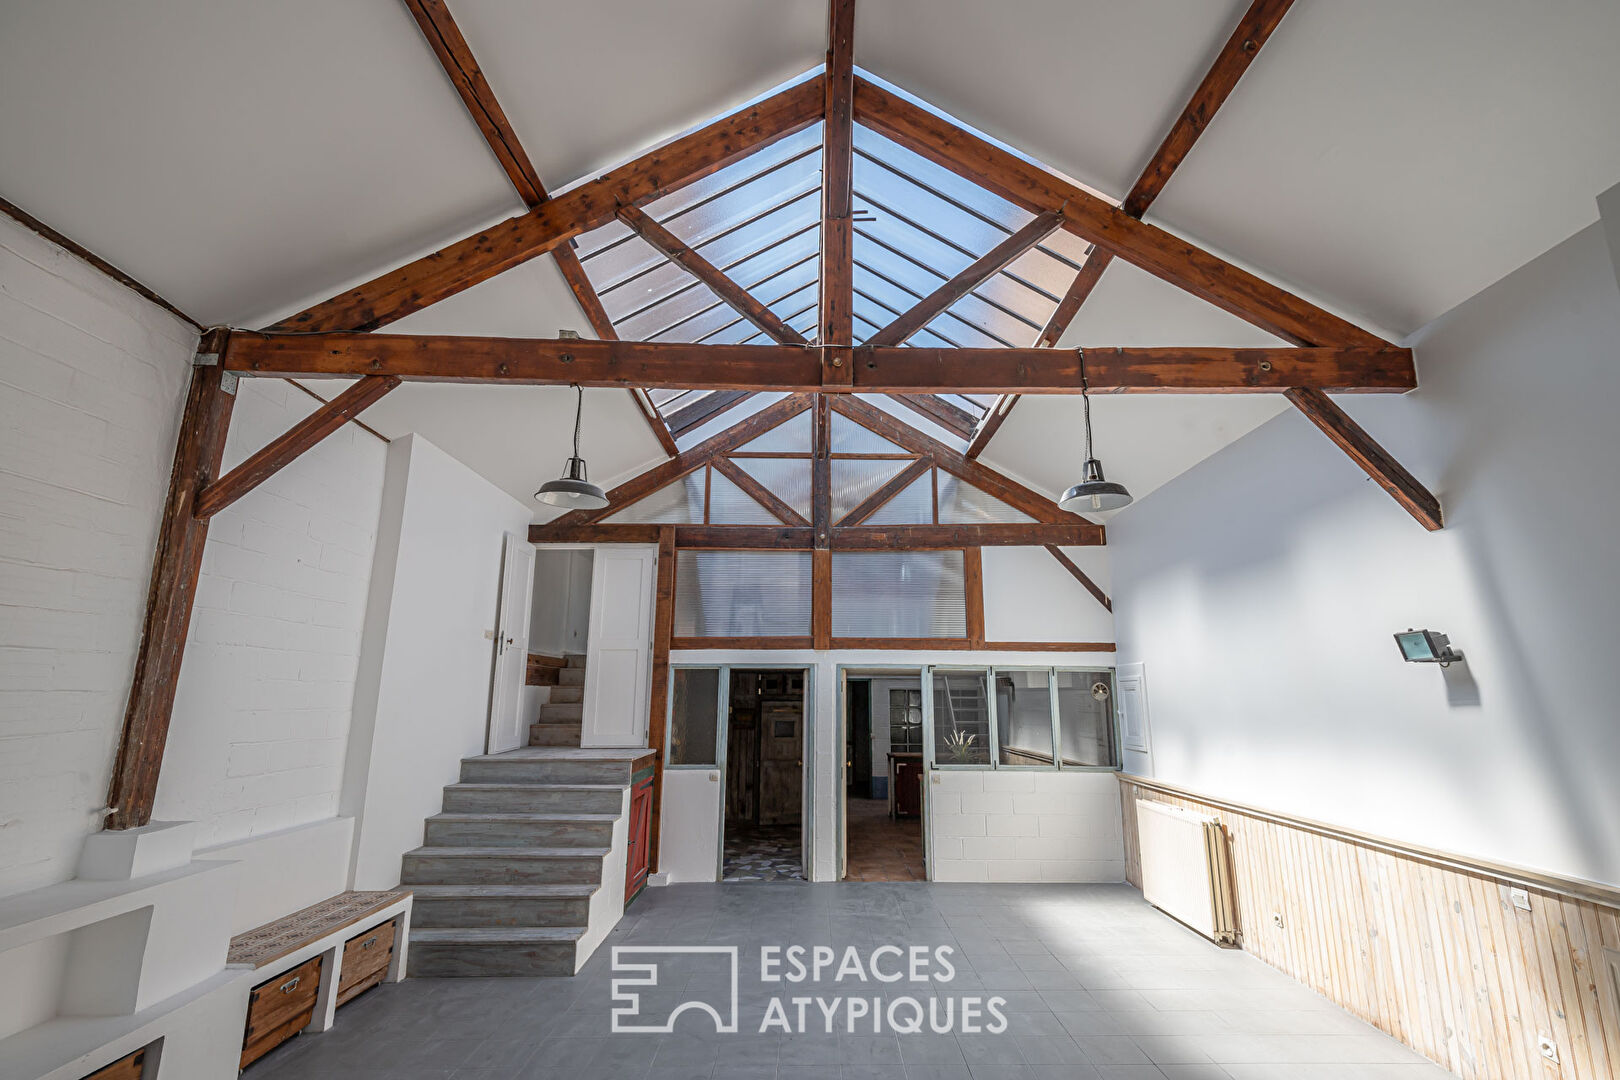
1094 493
572 491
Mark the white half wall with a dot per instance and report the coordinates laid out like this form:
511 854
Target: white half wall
1261 590
262 708
422 698
92 380
1012 825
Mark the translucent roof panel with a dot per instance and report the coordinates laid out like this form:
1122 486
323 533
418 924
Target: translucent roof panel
848 437
914 505
786 478
960 503
854 480
731 505
791 436
677 503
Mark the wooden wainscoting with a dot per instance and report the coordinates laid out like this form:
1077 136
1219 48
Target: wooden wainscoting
1425 945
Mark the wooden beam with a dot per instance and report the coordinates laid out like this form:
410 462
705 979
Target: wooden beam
943 413
658 699
286 448
169 597
879 498
973 595
477 258
969 278
758 492
655 423
1374 460
679 252
1078 533
991 424
1079 291
837 293
1160 253
1081 576
706 408
891 370
821 598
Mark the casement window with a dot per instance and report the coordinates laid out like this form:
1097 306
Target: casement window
1022 718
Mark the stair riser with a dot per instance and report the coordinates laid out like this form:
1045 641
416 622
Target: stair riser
574 660
479 870
562 714
497 771
499 912
569 676
597 834
533 801
567 695
553 734
469 961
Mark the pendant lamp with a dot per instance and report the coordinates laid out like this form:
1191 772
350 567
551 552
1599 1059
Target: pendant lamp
573 491
1094 492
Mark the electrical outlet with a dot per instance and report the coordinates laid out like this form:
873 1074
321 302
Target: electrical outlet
1520 898
1277 919
1548 1048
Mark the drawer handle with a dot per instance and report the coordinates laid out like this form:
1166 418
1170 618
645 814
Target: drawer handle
291 984
369 942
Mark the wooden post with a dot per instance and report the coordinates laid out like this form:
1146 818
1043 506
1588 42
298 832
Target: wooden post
663 632
973 590
821 528
837 298
173 589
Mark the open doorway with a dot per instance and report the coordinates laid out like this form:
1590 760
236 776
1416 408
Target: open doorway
765 754
883 793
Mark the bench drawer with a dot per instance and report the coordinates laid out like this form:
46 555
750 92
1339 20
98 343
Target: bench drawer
280 1008
129 1067
366 958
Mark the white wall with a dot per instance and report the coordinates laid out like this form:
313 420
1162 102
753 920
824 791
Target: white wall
422 700
1013 825
562 601
1261 589
261 713
92 379
1030 596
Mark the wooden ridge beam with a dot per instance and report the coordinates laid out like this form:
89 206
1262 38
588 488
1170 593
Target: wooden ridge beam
969 278
283 450
891 370
677 251
1374 460
467 262
169 598
1160 253
879 498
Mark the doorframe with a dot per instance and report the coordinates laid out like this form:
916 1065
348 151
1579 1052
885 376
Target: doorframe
506 694
841 781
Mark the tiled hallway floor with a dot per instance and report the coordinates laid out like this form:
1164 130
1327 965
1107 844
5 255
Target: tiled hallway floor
879 847
1097 984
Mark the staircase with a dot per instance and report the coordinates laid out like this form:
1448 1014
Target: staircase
505 877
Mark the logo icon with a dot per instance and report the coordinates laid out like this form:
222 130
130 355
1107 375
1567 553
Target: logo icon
627 998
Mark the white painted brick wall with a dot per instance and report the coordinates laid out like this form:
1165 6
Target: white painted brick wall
92 378
1007 825
262 711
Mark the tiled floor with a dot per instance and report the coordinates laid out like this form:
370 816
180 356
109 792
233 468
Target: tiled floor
763 853
881 848
1096 984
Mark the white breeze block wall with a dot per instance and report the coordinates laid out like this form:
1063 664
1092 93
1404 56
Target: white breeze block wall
1007 825
92 378
261 715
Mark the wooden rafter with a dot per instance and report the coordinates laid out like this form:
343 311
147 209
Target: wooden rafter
971 277
655 423
679 252
892 369
477 258
1374 460
703 410
283 450
1080 575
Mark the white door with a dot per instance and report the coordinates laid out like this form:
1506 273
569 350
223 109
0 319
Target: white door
508 727
1136 740
618 650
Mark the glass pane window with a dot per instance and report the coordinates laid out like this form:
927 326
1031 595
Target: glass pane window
742 594
694 716
898 594
1024 717
1086 718
913 506
854 480
961 718
905 721
731 505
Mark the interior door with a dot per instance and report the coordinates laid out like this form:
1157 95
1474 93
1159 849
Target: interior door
781 762
618 652
508 727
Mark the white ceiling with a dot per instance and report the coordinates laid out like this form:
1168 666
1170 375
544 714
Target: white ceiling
1385 158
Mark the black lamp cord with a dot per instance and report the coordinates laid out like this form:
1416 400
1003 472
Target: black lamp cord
579 409
1085 398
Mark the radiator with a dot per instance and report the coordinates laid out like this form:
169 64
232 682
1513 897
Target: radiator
1186 867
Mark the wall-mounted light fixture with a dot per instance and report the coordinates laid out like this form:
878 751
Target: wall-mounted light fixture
1427 647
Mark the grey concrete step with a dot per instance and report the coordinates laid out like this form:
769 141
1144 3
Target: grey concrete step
534 798
484 951
501 905
554 734
568 712
503 866
567 695
490 830
571 676
574 660
551 765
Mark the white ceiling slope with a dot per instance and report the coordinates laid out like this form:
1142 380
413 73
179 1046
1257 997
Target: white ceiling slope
238 156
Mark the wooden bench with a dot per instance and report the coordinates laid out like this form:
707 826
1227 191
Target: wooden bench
317 959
